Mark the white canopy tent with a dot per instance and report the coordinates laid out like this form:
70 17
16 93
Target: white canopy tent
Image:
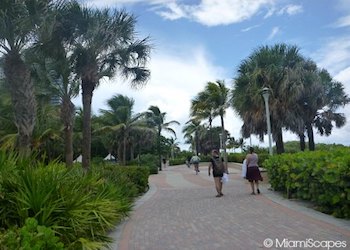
79 159
109 157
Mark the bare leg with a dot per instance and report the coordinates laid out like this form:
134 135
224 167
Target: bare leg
257 187
252 185
218 185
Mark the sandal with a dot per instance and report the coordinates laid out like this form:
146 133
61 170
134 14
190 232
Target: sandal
253 193
258 191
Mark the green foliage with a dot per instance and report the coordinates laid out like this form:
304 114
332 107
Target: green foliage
236 157
130 180
81 208
320 176
30 237
177 161
149 160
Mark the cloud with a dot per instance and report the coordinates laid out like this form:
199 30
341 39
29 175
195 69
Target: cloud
291 10
250 28
207 12
343 22
274 32
174 12
334 55
216 12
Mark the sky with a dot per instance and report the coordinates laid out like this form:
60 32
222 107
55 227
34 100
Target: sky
197 41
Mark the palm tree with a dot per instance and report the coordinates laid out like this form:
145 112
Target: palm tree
19 24
156 118
218 98
191 131
174 147
271 67
105 43
54 69
8 130
119 119
200 110
317 103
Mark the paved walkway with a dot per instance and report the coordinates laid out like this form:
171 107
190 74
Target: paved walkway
181 212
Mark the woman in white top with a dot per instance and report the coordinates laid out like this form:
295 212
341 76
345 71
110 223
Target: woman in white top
253 172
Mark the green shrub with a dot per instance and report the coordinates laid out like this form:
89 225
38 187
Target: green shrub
30 237
177 161
236 157
149 160
130 180
80 207
320 176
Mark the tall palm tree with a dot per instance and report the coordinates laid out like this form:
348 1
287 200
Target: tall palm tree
54 68
191 130
270 67
56 82
8 130
317 103
174 147
200 110
104 44
19 25
156 118
119 119
218 98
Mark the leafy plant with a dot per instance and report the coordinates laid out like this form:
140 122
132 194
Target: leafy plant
30 237
322 177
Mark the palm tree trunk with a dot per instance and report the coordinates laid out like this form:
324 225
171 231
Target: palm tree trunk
124 151
132 153
23 99
302 141
67 116
196 142
310 136
279 142
87 91
158 148
224 140
211 133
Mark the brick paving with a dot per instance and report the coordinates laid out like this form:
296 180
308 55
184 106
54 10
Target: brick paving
181 212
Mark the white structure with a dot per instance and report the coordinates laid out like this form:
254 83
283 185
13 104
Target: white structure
109 157
79 159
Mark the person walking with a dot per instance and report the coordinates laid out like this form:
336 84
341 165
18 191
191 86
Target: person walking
195 161
253 174
188 161
218 168
164 162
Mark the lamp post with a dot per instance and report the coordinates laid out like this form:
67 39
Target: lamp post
266 94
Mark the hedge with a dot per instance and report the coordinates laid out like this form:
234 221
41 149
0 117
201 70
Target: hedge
322 177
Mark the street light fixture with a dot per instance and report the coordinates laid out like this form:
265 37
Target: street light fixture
266 94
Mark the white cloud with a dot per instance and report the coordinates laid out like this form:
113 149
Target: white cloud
334 55
216 12
207 12
250 28
274 32
291 9
343 22
174 12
